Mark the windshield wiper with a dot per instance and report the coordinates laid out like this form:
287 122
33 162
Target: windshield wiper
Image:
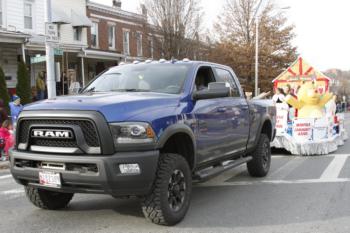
90 90
132 90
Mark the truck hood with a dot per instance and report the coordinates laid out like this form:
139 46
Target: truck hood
117 106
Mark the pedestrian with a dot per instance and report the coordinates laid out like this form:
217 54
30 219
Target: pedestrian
6 140
65 83
40 86
15 108
279 96
3 111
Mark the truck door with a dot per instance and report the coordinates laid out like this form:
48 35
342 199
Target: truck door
212 136
237 112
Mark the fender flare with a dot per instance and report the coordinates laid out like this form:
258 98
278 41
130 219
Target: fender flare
264 118
178 128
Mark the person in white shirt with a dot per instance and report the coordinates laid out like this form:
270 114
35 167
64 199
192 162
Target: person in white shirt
279 96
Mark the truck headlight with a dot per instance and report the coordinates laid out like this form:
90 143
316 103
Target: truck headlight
132 133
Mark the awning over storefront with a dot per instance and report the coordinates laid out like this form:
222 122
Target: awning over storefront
12 37
100 55
80 20
60 17
36 42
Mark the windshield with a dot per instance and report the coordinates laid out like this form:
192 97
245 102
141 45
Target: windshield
162 78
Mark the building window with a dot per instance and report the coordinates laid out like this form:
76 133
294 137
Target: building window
126 47
150 46
139 44
1 21
94 35
111 37
28 15
77 33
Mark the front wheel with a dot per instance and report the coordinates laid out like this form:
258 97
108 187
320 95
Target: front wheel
169 199
259 166
46 199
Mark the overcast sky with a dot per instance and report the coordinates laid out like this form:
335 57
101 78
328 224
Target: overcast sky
322 27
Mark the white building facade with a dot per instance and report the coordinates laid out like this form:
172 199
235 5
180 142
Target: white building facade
22 36
19 20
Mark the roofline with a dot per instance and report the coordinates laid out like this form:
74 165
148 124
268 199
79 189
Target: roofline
296 60
114 11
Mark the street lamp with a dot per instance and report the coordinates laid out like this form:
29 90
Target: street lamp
257 44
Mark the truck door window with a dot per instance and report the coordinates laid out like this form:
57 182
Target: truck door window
203 78
226 76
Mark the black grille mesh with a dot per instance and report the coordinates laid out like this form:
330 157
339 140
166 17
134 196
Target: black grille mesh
54 143
86 126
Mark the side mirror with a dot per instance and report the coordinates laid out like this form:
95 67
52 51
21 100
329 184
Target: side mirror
211 93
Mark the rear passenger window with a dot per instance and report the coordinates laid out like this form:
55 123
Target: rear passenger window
225 76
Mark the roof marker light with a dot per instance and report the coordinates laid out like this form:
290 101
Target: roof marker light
186 60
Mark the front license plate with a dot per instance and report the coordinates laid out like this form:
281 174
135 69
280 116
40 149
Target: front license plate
52 179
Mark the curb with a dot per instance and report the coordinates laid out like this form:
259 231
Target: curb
4 165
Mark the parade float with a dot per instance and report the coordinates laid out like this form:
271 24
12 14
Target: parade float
306 121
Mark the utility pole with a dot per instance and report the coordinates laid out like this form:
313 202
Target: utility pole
50 58
256 55
257 48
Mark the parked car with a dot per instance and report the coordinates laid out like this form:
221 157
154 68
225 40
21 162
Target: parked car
147 130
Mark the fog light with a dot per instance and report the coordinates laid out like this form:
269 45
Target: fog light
129 168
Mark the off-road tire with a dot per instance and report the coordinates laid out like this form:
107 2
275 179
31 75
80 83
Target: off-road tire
259 166
46 199
157 206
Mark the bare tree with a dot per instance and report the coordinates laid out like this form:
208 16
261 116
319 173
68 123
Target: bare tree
236 30
177 23
340 85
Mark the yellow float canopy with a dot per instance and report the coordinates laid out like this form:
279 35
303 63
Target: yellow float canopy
300 72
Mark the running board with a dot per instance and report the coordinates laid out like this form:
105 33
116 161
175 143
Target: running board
208 173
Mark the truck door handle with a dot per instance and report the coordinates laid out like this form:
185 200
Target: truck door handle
222 109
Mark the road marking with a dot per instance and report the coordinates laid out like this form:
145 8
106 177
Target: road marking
12 191
334 168
5 176
312 156
287 168
257 182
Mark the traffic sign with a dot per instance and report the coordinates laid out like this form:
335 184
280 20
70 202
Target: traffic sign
37 59
51 33
58 51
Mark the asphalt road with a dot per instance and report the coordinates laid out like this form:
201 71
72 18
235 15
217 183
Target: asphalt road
300 194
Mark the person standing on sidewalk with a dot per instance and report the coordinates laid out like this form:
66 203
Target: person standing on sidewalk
15 108
6 140
40 86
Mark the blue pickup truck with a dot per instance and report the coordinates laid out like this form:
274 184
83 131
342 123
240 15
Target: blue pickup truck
147 129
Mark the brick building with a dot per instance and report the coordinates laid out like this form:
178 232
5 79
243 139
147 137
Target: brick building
116 36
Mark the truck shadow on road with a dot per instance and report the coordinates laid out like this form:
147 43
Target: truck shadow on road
236 206
129 207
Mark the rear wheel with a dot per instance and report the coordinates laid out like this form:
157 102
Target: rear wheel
260 165
46 199
169 200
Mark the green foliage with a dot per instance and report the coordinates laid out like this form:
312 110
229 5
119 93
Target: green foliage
23 89
4 95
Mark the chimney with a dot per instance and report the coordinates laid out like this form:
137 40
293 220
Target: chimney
117 4
144 9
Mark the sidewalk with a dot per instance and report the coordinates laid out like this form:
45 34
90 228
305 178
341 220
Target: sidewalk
4 164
